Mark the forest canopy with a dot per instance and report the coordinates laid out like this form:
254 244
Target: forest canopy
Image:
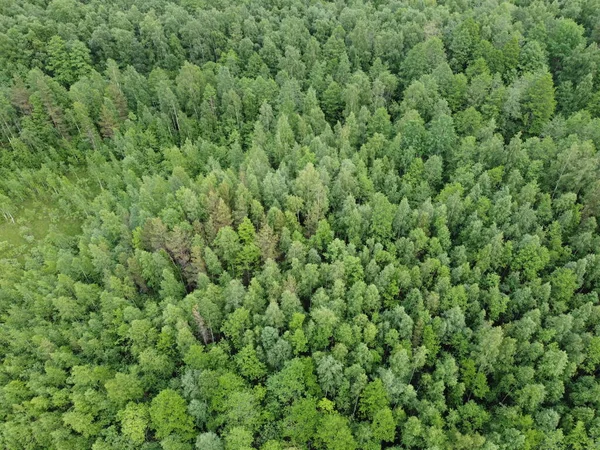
293 224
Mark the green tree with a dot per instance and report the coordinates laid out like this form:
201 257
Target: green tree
248 363
334 433
134 422
249 255
168 414
422 59
373 399
311 190
330 374
238 438
539 102
208 441
301 423
228 246
68 61
333 102
384 426
382 216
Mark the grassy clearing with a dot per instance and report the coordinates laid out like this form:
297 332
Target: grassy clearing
33 222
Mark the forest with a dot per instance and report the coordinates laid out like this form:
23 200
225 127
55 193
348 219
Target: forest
299 224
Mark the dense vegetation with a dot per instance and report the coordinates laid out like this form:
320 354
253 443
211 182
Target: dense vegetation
288 224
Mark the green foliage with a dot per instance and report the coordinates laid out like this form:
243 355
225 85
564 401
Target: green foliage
373 399
384 426
539 103
134 422
287 225
248 363
168 415
238 438
334 433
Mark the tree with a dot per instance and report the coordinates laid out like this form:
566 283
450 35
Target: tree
530 257
123 388
249 254
384 426
84 122
334 433
248 363
109 119
465 39
238 438
235 326
311 190
295 380
134 422
539 102
168 414
189 85
301 423
68 61
532 57
373 399
228 246
382 216
577 439
564 37
564 283
208 441
442 135
412 432
330 374
488 346
422 59
333 102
